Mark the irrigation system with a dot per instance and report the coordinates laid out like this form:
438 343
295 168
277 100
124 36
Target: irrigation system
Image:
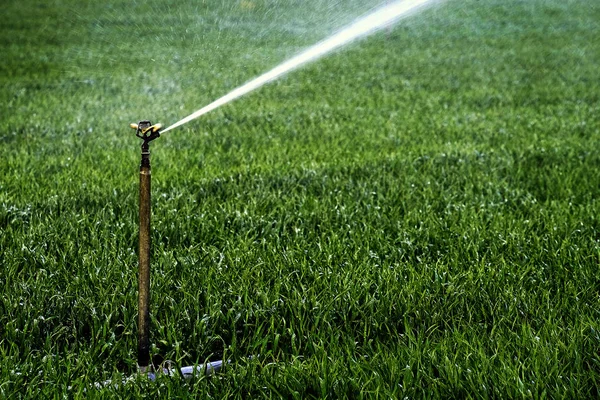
145 130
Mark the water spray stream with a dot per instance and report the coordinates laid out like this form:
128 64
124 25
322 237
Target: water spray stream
378 19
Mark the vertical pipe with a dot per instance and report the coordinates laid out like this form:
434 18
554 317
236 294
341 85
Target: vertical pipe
144 262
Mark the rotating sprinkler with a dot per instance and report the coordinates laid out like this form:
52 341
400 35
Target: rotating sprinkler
148 132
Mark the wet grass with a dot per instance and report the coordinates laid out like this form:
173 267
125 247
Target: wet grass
414 216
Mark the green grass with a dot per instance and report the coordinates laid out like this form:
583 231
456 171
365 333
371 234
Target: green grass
416 215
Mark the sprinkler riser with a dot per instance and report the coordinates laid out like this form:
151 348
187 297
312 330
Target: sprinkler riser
147 132
144 264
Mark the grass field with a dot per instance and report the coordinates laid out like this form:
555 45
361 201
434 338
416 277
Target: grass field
416 215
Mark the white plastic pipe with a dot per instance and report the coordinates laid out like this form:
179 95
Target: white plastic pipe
187 372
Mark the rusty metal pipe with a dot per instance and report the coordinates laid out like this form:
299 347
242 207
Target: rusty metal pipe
147 132
144 261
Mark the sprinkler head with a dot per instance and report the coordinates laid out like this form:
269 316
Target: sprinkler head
146 131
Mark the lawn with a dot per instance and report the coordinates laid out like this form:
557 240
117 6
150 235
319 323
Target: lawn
416 215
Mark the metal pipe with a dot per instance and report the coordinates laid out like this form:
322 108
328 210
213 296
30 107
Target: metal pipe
144 261
147 132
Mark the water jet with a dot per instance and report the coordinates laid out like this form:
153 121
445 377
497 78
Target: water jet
376 20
